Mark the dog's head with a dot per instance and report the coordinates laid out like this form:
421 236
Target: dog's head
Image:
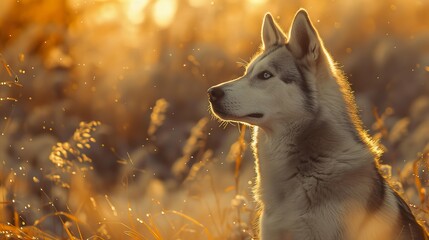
279 84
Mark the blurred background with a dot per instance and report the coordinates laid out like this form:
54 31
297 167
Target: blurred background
104 121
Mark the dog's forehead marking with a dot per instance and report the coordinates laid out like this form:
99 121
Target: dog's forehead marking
279 60
261 56
283 63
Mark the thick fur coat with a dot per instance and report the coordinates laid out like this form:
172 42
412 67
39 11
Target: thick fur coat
317 169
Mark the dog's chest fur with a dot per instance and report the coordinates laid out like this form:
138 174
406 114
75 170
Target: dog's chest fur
306 186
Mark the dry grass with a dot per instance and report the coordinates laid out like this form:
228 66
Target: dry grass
104 128
70 164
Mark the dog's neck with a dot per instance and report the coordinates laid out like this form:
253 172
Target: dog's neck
316 149
311 136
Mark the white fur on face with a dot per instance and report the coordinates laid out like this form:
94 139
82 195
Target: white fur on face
276 100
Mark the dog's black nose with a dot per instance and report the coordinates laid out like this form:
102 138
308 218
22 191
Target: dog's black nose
215 93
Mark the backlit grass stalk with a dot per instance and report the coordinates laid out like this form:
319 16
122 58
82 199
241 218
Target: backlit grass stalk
241 145
10 84
157 117
421 162
194 221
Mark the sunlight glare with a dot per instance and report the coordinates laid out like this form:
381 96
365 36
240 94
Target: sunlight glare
198 3
164 11
254 5
257 2
106 13
134 10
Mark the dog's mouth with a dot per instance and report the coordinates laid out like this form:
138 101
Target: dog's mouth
255 115
228 115
220 112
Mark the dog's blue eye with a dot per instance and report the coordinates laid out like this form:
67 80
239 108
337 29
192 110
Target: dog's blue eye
265 75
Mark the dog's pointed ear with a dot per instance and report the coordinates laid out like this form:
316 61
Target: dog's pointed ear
271 34
304 40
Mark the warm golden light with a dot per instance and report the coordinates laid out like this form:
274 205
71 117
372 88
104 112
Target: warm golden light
164 11
257 2
198 3
107 13
105 128
134 10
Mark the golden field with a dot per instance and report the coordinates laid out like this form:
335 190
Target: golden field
104 121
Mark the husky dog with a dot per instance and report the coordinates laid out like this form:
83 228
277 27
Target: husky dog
317 170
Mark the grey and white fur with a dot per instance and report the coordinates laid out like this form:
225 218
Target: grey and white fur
317 168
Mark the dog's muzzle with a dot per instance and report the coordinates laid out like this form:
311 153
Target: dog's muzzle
215 94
